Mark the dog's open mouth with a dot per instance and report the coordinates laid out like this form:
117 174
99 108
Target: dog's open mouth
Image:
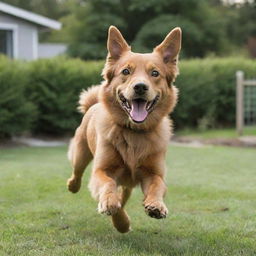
138 109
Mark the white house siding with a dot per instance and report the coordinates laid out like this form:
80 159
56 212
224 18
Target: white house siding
48 50
25 36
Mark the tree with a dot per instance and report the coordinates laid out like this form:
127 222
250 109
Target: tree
145 23
213 27
50 8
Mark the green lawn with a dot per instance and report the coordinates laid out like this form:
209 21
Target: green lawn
229 133
211 201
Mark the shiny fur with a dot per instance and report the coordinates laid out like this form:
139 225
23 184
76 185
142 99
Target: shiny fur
127 153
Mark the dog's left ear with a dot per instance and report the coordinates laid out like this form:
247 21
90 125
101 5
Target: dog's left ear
116 43
170 47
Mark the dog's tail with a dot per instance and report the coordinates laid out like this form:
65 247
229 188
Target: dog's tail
88 98
121 220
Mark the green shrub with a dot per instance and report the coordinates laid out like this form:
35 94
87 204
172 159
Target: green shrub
16 112
207 91
54 87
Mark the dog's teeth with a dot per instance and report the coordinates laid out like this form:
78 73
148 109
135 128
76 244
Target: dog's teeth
122 98
150 104
128 105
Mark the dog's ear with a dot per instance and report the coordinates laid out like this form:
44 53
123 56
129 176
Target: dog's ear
170 47
116 43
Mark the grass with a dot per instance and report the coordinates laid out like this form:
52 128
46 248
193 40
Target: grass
211 200
229 133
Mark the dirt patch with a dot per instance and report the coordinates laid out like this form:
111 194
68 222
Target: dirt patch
189 144
8 143
187 141
33 142
248 141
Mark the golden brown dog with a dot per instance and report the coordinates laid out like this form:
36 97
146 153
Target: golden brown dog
126 128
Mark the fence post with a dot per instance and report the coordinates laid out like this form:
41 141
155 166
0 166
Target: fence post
239 102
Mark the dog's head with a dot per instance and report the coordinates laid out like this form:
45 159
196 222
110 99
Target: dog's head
138 90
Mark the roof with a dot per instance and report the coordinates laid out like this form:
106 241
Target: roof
30 16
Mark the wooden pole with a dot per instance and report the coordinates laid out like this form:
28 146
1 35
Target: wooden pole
239 102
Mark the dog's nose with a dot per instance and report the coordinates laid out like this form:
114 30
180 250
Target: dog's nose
140 88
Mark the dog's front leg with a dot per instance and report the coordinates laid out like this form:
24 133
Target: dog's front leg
109 202
154 190
104 188
153 185
103 182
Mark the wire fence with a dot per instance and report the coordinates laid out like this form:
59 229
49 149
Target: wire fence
250 105
245 102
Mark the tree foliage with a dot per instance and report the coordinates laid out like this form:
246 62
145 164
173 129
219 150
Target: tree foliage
213 27
145 23
50 8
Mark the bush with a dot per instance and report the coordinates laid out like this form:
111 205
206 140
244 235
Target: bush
54 87
16 112
207 91
45 93
206 99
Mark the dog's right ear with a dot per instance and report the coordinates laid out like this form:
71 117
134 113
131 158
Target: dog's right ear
116 43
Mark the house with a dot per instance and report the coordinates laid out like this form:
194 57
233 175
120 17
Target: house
19 34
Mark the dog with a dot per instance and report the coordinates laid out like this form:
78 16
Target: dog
126 127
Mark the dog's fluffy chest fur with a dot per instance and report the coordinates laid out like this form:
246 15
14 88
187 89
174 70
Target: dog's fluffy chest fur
136 146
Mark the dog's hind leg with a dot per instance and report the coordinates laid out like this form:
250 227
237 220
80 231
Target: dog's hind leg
121 220
80 156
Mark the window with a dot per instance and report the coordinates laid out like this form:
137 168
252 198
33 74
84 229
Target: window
6 42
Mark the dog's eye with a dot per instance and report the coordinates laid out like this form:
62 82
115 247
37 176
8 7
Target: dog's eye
126 72
155 73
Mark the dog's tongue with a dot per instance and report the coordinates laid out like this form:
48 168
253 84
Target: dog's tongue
138 112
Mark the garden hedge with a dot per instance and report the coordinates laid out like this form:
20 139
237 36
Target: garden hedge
207 91
41 96
54 87
16 112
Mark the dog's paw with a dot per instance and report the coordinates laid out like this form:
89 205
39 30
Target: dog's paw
109 205
156 209
74 184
